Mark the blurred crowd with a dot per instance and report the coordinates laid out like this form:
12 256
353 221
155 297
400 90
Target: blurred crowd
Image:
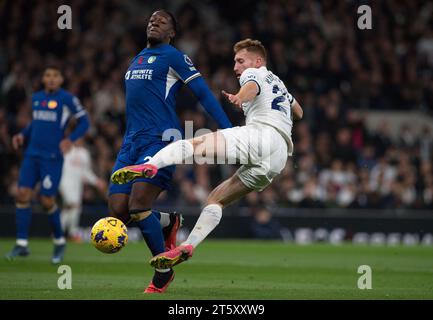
331 67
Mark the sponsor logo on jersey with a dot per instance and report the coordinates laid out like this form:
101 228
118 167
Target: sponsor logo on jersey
45 115
151 59
52 104
188 61
127 75
140 74
140 60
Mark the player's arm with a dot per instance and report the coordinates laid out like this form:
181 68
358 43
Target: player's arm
247 93
297 111
80 129
208 101
19 139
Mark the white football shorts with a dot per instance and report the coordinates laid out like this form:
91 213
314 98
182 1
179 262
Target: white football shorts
260 149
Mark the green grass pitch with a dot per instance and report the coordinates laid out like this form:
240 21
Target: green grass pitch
224 270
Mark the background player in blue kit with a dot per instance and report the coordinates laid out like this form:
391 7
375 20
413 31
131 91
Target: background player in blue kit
52 109
152 81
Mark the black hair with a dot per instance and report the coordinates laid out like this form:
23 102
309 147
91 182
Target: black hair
53 67
173 20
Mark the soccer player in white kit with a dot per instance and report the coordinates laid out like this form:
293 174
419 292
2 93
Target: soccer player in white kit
77 170
261 146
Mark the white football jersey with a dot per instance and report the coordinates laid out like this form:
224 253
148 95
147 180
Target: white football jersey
272 105
77 168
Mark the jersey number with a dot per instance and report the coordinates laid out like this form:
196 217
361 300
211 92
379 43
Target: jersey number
276 102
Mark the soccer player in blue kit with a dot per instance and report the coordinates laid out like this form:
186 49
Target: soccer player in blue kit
52 108
152 81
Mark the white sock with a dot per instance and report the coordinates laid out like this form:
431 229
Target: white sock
59 241
165 219
208 220
22 242
174 153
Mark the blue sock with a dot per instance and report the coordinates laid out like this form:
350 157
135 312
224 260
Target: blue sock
23 218
151 230
56 225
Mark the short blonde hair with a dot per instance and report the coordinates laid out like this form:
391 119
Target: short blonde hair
251 46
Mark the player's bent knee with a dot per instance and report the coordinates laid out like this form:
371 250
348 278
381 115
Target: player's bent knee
23 196
118 209
48 203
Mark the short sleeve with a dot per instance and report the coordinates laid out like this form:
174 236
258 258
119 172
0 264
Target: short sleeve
248 75
291 99
183 67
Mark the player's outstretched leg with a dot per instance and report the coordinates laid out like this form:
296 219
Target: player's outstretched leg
227 192
175 153
172 257
129 173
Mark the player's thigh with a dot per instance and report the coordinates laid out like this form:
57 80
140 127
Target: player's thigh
28 177
210 148
50 171
266 162
143 194
243 143
23 196
228 192
118 206
48 202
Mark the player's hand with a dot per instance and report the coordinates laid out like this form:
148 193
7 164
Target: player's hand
65 145
17 141
234 99
101 185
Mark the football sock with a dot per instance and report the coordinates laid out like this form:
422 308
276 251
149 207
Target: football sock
208 220
160 279
174 153
150 228
23 218
163 217
54 218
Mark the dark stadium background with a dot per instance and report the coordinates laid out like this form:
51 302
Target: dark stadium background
362 168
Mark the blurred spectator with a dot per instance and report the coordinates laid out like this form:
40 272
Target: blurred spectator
264 226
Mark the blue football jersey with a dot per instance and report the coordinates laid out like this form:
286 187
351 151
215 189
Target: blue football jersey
51 113
152 82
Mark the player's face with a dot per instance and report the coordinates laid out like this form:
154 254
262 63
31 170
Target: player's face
159 28
245 59
52 79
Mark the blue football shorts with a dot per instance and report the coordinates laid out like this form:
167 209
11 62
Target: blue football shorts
137 152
